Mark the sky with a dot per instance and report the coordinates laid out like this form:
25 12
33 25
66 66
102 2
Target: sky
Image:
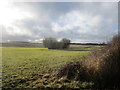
77 21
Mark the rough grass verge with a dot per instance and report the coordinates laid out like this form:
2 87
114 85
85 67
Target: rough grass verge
102 67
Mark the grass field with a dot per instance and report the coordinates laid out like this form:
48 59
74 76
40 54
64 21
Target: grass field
22 66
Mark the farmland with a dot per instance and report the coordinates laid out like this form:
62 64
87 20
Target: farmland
22 65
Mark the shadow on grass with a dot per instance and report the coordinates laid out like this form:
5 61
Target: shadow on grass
77 50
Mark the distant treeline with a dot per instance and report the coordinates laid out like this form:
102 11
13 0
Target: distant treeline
88 44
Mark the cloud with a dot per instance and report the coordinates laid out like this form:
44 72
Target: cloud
78 21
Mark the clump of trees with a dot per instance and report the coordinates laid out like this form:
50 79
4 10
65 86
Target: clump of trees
53 43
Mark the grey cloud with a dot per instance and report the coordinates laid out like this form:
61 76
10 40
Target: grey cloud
45 14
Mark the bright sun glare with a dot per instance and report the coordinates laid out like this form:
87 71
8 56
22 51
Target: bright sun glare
10 13
7 14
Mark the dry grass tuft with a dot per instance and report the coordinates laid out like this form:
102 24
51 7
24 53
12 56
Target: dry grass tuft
102 67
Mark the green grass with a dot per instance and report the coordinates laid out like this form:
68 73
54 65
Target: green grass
22 66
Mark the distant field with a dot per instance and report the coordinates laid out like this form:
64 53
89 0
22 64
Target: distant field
22 66
21 44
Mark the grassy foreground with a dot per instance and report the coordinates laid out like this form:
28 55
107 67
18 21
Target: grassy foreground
23 66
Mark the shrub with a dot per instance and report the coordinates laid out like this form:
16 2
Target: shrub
102 67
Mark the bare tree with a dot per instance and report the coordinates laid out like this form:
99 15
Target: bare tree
66 42
50 43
